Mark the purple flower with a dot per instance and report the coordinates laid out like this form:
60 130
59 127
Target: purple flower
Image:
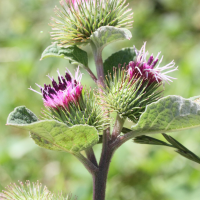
67 90
150 70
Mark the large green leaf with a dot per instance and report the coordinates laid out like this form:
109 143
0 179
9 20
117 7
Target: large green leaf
122 57
22 115
108 34
171 113
72 53
52 134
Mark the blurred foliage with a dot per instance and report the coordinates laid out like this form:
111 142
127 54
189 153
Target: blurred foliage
136 171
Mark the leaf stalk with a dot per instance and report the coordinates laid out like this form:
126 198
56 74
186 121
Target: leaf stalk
97 52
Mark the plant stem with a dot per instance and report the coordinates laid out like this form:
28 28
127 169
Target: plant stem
109 147
91 156
87 163
122 139
119 122
100 177
97 52
91 74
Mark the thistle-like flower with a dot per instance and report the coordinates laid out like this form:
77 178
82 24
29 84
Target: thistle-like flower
33 191
80 18
67 102
59 95
150 70
133 87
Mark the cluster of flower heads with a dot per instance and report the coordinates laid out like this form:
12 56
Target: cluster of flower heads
80 18
150 70
61 94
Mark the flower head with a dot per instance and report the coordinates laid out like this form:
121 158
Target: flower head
67 102
80 18
61 94
150 69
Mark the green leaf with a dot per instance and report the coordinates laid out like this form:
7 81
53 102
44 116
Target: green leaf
21 115
181 149
195 99
174 142
143 139
189 155
122 57
126 130
108 34
171 113
72 53
52 134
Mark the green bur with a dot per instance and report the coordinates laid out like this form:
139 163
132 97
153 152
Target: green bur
74 26
128 98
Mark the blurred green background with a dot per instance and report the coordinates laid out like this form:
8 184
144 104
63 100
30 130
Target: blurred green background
138 172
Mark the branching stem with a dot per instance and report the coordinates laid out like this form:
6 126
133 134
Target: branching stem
91 156
122 139
110 144
87 163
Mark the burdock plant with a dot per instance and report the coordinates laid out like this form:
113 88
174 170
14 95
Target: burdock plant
129 83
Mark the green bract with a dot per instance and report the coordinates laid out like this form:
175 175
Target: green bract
79 19
52 134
